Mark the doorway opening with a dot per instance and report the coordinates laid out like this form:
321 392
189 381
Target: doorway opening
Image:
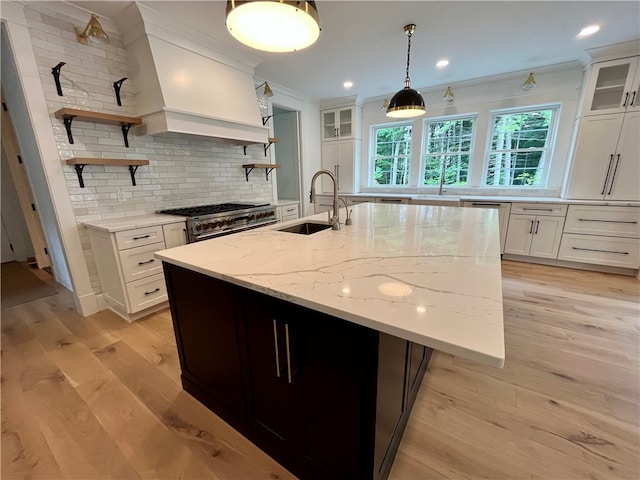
286 128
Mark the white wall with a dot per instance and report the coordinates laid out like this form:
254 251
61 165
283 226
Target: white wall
555 84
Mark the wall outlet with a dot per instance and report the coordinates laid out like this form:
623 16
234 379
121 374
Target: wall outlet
121 197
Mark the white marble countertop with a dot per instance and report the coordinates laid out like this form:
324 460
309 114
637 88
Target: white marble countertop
128 223
428 274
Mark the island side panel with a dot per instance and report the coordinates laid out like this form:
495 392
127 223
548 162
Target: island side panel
204 320
402 366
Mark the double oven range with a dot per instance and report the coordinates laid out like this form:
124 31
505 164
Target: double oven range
209 221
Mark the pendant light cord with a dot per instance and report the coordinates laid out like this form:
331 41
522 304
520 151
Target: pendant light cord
409 33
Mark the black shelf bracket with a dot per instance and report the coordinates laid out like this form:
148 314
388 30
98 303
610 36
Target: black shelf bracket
117 85
56 76
132 171
266 147
248 170
266 119
125 133
244 149
68 120
79 168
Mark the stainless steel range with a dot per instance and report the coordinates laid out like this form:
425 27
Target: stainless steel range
208 221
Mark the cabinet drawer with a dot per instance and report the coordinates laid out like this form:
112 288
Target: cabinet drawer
139 262
395 200
358 200
146 292
539 209
612 251
289 212
139 236
603 220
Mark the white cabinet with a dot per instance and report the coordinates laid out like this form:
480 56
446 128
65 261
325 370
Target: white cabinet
175 234
340 123
504 210
288 212
358 200
606 160
131 277
323 203
535 229
613 87
602 235
340 158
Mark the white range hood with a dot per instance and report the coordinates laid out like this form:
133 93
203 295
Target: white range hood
185 86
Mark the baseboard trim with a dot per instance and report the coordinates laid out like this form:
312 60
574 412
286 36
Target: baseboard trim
578 266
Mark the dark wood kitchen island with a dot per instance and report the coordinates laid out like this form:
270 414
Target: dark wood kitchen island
314 346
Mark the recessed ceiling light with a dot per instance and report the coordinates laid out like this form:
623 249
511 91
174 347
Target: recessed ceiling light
442 63
590 30
347 84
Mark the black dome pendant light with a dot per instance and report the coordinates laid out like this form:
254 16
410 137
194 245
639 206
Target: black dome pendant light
407 102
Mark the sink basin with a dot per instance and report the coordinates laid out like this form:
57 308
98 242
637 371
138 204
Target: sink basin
306 228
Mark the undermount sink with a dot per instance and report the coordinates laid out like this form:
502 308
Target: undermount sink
306 228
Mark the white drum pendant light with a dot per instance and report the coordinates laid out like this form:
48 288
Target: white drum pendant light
407 102
273 25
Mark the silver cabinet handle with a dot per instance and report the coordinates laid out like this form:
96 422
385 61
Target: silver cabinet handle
286 333
143 236
539 209
148 261
613 177
537 225
481 204
600 251
626 97
633 99
391 200
152 291
275 342
606 178
531 228
605 221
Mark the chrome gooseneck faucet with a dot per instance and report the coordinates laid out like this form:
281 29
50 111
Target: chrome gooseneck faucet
335 220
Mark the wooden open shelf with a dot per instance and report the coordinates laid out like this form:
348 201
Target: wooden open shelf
80 163
69 114
270 141
268 168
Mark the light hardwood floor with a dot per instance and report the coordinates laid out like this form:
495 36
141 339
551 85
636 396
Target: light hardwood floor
98 398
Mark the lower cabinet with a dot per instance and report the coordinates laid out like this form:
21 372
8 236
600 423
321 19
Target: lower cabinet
504 208
535 229
324 397
602 235
536 236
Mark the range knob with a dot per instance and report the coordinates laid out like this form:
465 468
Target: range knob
198 227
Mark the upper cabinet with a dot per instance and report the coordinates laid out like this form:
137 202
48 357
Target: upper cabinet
606 160
613 87
340 123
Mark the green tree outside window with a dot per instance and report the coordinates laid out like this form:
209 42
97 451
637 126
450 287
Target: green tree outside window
449 143
392 155
519 148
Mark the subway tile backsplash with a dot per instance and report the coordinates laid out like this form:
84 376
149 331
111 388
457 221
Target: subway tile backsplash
183 170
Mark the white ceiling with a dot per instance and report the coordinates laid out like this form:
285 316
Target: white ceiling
363 41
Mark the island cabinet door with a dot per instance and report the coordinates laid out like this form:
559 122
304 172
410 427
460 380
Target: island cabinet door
335 383
311 379
204 319
269 353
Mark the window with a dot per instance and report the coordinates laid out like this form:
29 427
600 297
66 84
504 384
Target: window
449 144
392 155
519 148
